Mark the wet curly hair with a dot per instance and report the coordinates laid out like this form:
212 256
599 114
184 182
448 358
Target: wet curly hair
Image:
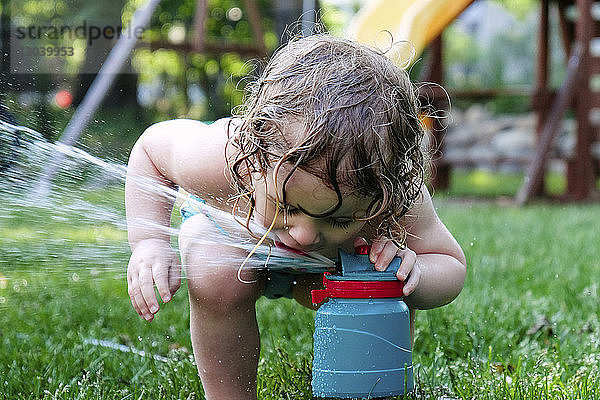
360 126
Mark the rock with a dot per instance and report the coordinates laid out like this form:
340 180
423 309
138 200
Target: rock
456 155
595 116
456 117
565 146
489 128
476 113
461 136
513 143
482 155
477 138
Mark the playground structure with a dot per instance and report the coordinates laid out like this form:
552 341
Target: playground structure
577 92
422 23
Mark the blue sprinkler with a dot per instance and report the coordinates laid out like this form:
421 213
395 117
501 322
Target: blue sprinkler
362 345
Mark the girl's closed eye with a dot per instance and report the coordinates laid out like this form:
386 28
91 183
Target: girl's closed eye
341 223
292 210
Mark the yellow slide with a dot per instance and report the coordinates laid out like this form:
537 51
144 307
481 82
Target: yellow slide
416 21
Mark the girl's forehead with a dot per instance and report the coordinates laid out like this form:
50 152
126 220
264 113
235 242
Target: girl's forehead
313 195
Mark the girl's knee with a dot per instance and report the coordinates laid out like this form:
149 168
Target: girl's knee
220 289
212 269
192 234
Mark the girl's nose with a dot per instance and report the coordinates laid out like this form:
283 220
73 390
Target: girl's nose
305 233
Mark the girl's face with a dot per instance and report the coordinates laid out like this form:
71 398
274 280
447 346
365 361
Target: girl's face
300 231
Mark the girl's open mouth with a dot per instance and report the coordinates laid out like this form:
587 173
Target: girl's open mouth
288 248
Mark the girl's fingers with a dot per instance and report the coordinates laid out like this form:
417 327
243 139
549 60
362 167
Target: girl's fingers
135 306
161 279
174 281
413 281
376 249
382 253
360 241
409 258
386 255
131 293
150 305
135 294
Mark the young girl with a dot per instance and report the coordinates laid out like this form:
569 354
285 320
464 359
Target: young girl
325 154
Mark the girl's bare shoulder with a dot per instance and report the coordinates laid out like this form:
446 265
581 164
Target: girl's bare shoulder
191 154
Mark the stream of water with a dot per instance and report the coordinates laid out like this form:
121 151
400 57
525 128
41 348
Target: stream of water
81 221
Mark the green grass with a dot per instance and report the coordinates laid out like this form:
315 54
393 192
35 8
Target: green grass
483 184
525 326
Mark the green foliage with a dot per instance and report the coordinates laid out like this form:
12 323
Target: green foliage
460 48
176 84
198 85
61 14
485 184
520 8
503 61
500 59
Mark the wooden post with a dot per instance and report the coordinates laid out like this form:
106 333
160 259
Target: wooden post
542 99
198 40
581 174
536 169
256 26
441 171
567 33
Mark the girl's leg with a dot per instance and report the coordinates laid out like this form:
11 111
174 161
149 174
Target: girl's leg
223 325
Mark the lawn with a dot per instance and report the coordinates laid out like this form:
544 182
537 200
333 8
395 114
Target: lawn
525 327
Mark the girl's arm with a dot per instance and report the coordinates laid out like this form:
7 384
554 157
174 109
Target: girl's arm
433 263
178 153
171 154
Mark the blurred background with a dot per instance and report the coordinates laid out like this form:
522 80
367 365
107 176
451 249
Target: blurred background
169 75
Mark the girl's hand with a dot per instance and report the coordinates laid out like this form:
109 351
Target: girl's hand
153 261
384 250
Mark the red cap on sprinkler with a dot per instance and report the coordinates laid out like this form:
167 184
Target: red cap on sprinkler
363 249
357 289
